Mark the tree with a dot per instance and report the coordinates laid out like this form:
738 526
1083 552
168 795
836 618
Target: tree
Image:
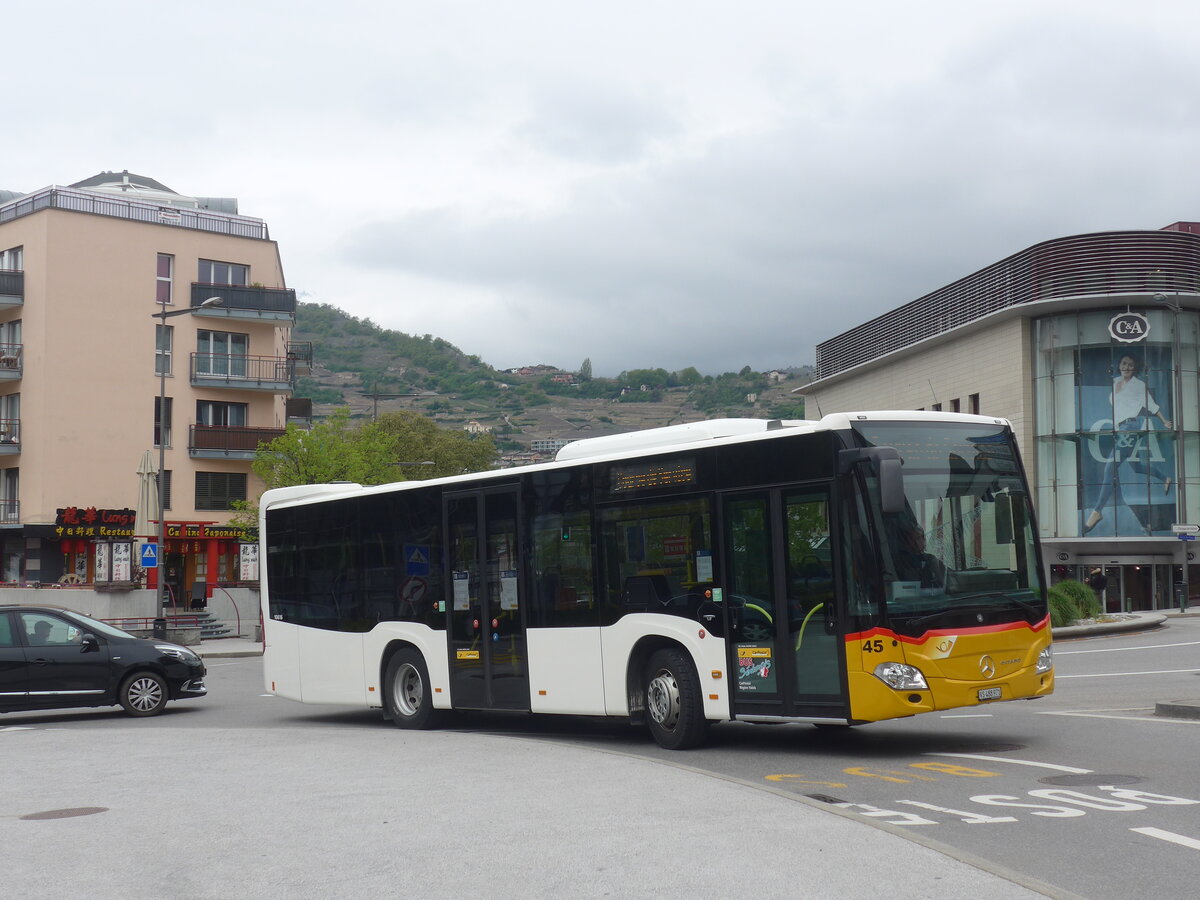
410 437
585 370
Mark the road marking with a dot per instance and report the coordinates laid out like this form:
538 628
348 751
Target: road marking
1123 649
969 716
1159 720
1128 674
16 728
1171 836
1016 762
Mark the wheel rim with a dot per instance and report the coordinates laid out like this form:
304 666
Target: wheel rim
145 694
408 690
662 698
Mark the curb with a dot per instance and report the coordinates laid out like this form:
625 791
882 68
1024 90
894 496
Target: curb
1123 622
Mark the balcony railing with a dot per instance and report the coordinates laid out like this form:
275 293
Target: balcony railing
135 210
244 373
300 411
229 441
10 512
241 301
11 361
10 436
301 353
12 287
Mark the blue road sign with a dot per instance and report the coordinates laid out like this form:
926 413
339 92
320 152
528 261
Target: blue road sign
149 556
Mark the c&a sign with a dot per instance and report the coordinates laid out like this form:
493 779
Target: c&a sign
1129 327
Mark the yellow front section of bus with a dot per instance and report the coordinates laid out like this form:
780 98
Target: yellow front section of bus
964 667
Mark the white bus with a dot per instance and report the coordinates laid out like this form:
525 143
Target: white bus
858 568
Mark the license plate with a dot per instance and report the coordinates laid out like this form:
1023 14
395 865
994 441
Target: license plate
989 693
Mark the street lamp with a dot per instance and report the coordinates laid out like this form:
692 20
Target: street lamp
160 619
1180 473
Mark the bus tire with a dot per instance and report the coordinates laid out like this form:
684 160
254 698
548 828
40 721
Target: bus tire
409 695
674 708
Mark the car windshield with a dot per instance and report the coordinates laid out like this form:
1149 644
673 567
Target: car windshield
96 626
962 549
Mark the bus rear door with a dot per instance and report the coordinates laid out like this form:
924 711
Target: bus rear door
486 627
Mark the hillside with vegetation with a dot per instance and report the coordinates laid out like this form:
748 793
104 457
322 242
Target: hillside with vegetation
372 370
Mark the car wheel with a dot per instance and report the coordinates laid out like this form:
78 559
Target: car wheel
409 696
675 711
143 694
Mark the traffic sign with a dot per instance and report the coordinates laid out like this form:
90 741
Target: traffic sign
1185 529
1186 537
149 556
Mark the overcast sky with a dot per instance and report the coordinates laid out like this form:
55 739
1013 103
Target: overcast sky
708 184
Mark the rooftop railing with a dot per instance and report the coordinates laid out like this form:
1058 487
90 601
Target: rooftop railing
134 210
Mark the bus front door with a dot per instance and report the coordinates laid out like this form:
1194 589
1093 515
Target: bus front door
486 629
787 658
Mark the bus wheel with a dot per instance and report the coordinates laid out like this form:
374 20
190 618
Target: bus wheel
409 697
675 710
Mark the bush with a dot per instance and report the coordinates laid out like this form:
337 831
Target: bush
1063 610
1083 596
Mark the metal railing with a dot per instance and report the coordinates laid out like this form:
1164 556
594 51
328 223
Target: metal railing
11 356
230 437
244 296
10 512
12 282
135 210
1108 263
10 431
244 371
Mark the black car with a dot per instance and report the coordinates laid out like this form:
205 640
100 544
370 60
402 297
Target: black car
55 659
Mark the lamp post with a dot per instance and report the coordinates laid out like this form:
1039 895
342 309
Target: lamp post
160 619
1180 473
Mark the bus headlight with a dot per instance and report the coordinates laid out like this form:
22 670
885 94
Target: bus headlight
901 677
1045 660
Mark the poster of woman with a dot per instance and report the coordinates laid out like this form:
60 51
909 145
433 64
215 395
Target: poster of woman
1127 458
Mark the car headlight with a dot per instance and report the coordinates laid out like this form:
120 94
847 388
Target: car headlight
901 677
1045 660
180 653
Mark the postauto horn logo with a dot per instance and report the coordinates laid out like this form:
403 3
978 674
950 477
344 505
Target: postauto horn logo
1129 327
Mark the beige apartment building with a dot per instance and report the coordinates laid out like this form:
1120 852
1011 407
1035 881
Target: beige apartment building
85 272
1090 345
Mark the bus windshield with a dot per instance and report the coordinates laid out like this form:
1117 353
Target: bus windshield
962 551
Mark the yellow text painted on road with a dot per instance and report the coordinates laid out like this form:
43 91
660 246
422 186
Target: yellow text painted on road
800 779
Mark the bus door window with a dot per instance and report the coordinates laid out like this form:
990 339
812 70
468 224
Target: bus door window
465 608
751 595
811 604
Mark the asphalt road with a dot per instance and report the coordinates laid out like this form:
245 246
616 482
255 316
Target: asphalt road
1087 792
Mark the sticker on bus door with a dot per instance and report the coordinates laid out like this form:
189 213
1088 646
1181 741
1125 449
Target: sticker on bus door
756 669
462 595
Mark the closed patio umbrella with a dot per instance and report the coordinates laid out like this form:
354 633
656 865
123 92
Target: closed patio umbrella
147 503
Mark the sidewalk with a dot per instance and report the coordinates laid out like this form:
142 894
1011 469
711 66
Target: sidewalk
228 648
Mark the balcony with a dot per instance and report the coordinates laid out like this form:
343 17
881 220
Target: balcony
228 441
241 301
11 356
10 512
274 374
300 412
10 437
300 352
12 287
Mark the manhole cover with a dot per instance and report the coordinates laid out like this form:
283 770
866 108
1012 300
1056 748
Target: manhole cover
1089 780
66 813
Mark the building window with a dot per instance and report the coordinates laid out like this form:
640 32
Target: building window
973 404
221 353
937 407
215 272
162 427
13 259
164 337
10 492
223 415
166 489
954 405
165 275
218 490
10 419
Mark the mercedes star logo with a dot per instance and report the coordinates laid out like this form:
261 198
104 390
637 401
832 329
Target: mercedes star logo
986 666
